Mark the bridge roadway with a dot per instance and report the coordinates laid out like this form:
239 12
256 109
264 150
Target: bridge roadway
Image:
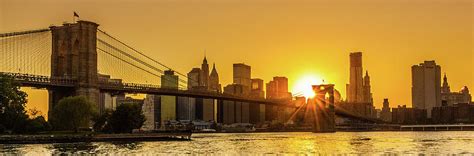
38 81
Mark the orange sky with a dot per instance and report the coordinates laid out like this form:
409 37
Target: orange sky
290 38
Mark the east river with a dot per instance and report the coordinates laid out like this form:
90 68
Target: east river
448 142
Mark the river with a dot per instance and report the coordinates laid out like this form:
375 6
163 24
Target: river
448 142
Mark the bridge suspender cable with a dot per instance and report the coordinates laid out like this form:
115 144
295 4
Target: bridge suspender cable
23 32
142 53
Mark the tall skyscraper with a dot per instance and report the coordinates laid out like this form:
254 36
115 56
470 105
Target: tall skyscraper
367 97
358 91
204 75
200 79
242 75
355 88
194 78
233 111
276 89
426 86
168 103
257 111
214 80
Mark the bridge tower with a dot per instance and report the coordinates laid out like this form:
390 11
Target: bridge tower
74 55
324 108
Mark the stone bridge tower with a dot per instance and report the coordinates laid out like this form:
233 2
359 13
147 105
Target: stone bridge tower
325 117
74 55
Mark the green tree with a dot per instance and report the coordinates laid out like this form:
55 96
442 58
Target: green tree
72 112
100 121
126 118
13 115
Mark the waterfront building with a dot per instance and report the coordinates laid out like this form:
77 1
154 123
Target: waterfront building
257 111
185 108
214 84
405 115
452 114
201 80
277 89
386 114
426 86
241 75
449 98
106 100
232 110
168 103
359 96
152 110
204 75
358 89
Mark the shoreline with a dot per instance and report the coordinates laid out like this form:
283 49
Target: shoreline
72 138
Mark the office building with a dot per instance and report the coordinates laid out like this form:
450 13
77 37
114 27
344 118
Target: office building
449 98
199 79
386 114
426 86
257 111
152 110
168 103
277 89
242 75
405 115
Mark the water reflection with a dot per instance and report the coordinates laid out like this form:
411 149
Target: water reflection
81 148
272 143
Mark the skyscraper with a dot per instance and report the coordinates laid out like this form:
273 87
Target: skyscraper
242 75
367 94
214 80
276 89
204 75
355 87
199 79
426 86
168 103
257 111
359 95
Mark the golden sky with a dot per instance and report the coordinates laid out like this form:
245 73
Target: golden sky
293 38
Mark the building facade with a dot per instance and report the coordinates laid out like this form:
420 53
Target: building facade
426 86
168 103
257 111
453 114
358 91
200 79
449 98
152 111
385 113
405 115
277 89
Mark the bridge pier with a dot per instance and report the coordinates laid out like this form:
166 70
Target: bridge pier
74 56
325 120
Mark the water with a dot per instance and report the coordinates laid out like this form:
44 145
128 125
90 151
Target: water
450 142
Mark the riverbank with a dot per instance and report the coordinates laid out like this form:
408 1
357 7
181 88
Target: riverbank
71 138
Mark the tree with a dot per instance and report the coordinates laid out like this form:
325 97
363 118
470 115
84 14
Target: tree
100 121
126 118
13 115
72 112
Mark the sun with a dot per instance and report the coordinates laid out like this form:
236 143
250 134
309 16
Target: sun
303 87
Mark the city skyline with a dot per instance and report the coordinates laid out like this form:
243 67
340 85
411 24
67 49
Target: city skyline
455 59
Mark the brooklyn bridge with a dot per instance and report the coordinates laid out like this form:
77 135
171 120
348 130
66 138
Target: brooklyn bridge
68 60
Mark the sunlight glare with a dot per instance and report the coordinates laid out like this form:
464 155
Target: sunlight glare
304 85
